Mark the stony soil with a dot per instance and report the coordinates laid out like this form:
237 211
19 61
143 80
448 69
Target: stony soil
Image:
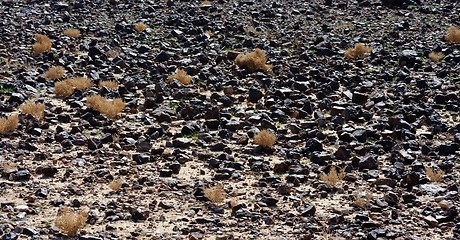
383 120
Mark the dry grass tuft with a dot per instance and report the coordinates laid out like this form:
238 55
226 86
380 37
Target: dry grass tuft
69 221
435 175
265 138
67 87
109 84
115 185
436 56
362 198
54 72
72 32
9 167
453 35
181 76
63 88
9 124
333 177
80 83
42 45
205 3
140 27
253 61
214 194
36 110
359 51
108 107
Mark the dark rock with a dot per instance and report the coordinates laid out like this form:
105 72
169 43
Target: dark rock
432 189
139 215
16 99
166 173
368 162
42 193
181 142
408 58
163 56
313 145
141 158
391 198
359 98
21 175
431 221
308 211
254 95
271 202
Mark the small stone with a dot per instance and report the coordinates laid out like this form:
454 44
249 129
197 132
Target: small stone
431 221
166 172
271 202
254 95
308 211
182 142
139 215
22 175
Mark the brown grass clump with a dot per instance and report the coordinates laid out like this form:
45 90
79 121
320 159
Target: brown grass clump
36 110
9 124
436 56
63 88
253 61
453 35
265 138
80 83
67 87
359 51
115 185
362 198
181 76
9 167
69 221
108 107
140 27
109 84
333 177
55 72
72 32
214 194
435 175
43 44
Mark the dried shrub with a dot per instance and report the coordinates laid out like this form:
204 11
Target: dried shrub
9 124
435 175
108 107
215 193
140 27
333 177
80 83
8 167
359 51
253 61
181 76
72 32
436 56
265 138
36 110
55 72
109 84
63 88
205 3
115 184
362 199
69 221
453 35
42 44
